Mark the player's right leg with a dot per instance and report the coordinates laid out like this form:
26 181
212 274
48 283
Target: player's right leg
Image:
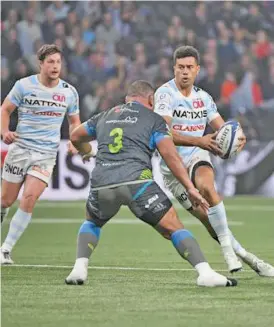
12 180
151 205
9 195
101 206
35 169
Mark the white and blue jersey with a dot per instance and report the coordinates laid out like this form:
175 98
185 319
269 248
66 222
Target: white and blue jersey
41 111
190 115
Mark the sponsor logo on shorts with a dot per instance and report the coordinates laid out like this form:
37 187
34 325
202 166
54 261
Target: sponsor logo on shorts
15 170
151 200
159 207
182 197
41 170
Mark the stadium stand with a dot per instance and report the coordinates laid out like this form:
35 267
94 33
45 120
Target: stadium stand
107 45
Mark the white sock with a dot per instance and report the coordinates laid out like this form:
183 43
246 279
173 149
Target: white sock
81 262
203 268
18 224
218 221
4 213
239 250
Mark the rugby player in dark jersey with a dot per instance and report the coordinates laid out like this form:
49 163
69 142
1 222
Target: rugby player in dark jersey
127 136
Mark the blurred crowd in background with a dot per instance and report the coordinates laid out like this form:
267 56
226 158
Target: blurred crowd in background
107 45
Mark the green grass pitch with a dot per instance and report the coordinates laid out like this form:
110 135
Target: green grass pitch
136 278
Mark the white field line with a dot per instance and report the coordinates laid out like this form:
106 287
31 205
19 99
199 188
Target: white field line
118 268
119 221
229 207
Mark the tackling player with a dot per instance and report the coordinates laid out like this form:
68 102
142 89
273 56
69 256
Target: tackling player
42 100
127 136
188 109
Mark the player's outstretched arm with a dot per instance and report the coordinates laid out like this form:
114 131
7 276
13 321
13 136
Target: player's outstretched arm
171 157
80 139
6 110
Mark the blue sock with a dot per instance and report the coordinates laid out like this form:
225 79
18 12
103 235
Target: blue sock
88 238
187 246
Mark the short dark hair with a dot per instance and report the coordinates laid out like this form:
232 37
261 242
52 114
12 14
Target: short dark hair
140 88
47 50
186 51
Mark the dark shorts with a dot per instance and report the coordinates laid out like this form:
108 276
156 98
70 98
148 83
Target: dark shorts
146 200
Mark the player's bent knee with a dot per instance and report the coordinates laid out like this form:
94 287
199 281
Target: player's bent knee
7 202
207 190
7 199
28 201
169 224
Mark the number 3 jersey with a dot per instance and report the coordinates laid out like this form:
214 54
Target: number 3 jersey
190 115
127 136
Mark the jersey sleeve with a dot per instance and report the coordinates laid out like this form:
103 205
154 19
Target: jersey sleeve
160 131
163 101
90 125
212 111
73 107
16 94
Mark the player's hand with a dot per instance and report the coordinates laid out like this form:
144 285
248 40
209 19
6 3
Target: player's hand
242 141
71 148
208 142
86 157
9 137
197 200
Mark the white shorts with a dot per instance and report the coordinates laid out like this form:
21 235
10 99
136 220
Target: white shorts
200 158
20 162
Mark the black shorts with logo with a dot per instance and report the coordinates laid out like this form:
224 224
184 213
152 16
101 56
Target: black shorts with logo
146 200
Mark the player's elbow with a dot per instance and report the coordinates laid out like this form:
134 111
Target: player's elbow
166 148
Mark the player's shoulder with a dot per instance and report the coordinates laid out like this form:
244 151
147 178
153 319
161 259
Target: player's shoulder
27 81
199 92
70 88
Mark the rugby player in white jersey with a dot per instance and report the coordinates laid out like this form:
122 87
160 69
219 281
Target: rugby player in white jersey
188 109
42 100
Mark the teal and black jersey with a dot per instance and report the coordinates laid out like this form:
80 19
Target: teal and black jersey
127 136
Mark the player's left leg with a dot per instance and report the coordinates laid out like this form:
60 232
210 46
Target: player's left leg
33 188
261 267
203 177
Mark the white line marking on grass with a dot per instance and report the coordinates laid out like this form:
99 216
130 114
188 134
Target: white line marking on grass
230 207
116 268
119 221
247 208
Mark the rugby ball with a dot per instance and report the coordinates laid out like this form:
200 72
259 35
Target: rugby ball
227 139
